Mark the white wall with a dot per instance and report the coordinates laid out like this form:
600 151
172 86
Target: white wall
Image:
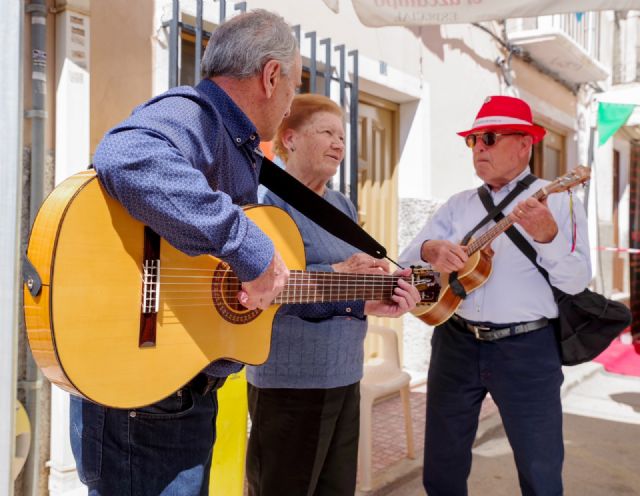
397 46
414 174
72 92
11 180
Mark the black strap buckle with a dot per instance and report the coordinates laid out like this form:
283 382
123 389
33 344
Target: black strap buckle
31 277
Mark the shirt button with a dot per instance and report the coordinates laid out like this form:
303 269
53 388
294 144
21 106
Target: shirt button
348 310
238 140
132 414
252 137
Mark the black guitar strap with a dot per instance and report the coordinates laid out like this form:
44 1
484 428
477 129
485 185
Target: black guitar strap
493 210
523 184
518 239
317 209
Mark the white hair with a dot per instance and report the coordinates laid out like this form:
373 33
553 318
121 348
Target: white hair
242 46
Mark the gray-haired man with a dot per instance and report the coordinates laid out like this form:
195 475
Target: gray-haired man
182 163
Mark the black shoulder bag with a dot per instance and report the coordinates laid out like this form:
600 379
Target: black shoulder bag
587 322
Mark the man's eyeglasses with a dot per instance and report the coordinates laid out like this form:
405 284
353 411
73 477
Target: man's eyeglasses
489 138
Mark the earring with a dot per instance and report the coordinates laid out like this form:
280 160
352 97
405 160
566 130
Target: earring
292 149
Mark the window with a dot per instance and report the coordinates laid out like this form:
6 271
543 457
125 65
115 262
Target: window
548 158
188 59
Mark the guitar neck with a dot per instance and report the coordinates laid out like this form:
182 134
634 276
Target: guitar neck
315 287
499 228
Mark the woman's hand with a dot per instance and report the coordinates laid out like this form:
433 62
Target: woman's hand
361 263
405 298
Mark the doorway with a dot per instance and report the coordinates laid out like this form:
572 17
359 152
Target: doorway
378 176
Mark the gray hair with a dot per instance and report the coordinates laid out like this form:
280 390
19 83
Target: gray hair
242 46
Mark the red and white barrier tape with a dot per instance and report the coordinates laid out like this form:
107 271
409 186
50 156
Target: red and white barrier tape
619 250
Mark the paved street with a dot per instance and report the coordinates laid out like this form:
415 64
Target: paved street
602 442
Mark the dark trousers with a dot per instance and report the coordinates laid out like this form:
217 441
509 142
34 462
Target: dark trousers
523 374
162 449
303 442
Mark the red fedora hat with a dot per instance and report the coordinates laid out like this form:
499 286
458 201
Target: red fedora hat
506 112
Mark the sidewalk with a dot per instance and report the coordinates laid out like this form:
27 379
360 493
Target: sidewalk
392 469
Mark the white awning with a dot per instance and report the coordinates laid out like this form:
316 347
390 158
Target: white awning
418 12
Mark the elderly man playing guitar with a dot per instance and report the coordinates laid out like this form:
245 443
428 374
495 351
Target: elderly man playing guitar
500 340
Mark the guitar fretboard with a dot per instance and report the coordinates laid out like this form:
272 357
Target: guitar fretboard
313 287
499 228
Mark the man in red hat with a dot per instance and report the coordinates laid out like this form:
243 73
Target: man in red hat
501 340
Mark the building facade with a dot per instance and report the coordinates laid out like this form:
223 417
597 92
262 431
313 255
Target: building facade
406 92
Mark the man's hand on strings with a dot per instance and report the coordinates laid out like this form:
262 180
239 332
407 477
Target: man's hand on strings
260 292
536 219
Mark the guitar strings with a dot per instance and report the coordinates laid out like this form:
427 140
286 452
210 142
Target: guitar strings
302 286
289 288
291 293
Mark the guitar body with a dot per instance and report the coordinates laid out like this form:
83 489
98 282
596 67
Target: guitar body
84 326
473 275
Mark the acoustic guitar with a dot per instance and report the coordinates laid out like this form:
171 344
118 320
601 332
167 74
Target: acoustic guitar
477 269
124 319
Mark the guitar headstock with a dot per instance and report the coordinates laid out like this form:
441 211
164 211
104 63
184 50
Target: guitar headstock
427 282
579 175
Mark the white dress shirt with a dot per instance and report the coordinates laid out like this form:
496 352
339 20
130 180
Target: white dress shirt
515 290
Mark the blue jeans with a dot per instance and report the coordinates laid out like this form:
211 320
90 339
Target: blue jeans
523 374
162 449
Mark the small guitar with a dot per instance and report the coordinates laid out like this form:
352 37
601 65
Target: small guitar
124 319
478 267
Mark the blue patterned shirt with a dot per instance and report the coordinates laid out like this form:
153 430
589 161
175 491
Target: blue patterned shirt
181 164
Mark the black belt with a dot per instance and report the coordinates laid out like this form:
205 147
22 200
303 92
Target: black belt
488 332
204 384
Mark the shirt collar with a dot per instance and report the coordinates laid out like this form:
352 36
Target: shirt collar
238 125
512 184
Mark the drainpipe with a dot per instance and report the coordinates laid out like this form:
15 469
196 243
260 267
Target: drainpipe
32 384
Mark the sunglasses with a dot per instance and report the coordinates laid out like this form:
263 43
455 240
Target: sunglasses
489 138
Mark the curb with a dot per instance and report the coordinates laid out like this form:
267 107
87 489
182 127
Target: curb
575 374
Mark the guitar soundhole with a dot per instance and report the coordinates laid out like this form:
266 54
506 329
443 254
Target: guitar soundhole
224 288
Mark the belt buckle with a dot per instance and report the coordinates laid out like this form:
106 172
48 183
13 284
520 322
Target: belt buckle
477 329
